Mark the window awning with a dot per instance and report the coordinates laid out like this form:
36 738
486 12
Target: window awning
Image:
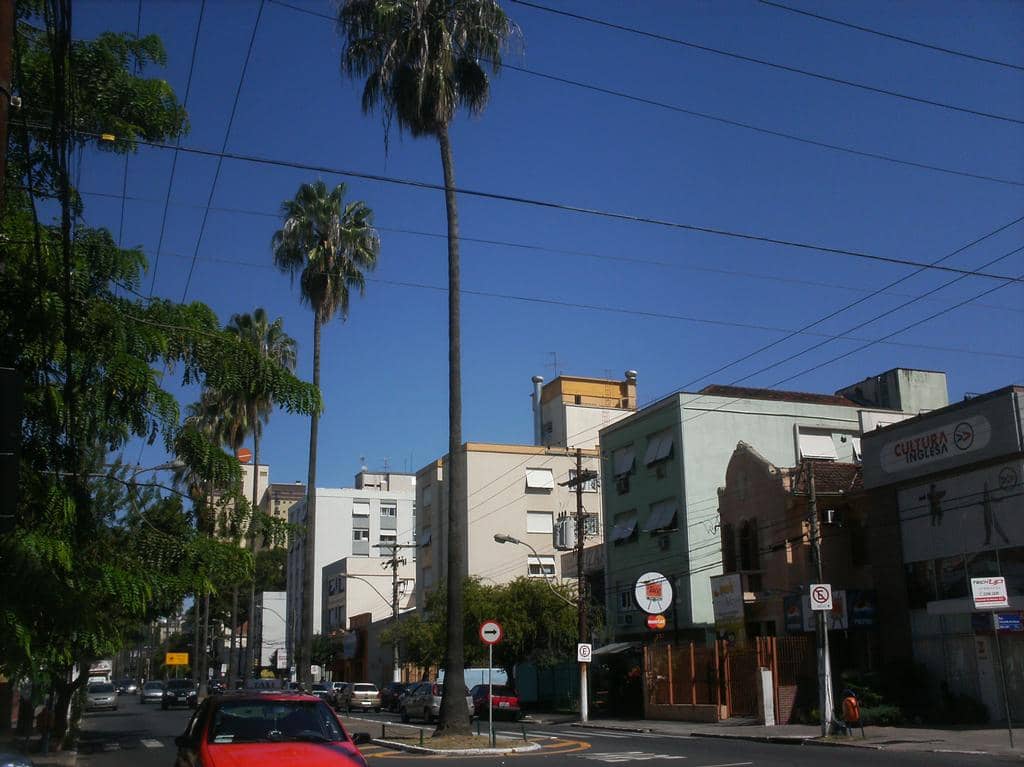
662 517
623 530
659 447
425 538
856 449
623 460
616 647
540 479
818 446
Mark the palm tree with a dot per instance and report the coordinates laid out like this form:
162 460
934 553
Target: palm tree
271 343
422 60
329 245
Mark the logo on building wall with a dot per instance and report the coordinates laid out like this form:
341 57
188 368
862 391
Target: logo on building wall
935 445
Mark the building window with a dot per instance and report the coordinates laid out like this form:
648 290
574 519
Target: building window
659 447
360 508
388 540
388 511
817 446
360 535
540 567
750 556
728 548
389 516
540 479
424 539
540 522
589 486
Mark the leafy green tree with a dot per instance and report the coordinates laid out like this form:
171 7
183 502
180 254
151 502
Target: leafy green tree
421 60
329 245
327 649
94 551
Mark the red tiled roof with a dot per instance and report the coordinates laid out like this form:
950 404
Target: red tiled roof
743 392
830 477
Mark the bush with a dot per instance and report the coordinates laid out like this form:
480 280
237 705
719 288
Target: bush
882 716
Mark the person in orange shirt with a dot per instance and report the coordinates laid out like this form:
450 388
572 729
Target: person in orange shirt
851 712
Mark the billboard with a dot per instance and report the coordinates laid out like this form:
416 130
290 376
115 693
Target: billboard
975 511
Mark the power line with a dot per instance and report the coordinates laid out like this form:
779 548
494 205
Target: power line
712 117
177 144
223 148
124 173
567 208
757 128
890 36
766 63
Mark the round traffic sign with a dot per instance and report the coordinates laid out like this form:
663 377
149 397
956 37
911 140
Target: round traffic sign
490 632
653 592
656 622
821 596
244 455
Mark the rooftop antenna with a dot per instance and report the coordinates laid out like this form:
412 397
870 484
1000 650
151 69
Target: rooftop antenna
555 370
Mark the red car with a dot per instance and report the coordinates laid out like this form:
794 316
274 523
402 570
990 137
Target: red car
276 729
505 702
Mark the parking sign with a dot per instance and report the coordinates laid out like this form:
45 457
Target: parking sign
821 596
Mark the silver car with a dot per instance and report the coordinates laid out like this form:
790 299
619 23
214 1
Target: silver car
100 695
361 695
423 701
152 692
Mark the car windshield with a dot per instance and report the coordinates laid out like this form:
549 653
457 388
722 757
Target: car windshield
153 686
253 721
180 684
364 688
101 688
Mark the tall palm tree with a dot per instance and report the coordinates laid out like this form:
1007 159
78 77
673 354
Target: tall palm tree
329 245
271 343
422 60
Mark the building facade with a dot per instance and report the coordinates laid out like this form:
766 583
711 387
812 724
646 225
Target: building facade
951 485
350 522
661 469
357 585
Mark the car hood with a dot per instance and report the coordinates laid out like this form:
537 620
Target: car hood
285 755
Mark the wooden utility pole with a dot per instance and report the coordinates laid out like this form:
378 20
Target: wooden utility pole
393 563
581 582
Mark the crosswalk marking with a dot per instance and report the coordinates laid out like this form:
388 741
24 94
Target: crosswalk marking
629 756
152 743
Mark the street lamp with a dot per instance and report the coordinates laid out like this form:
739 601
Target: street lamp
579 604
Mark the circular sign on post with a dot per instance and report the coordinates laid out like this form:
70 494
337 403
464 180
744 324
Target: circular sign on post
821 596
653 593
656 622
244 455
584 651
490 632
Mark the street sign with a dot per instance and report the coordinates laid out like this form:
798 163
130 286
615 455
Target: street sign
656 622
653 593
989 593
244 455
821 596
176 659
490 632
584 652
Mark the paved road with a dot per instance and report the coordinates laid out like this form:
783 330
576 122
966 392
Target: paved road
143 736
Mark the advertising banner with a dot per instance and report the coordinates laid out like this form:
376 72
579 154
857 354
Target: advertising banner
727 604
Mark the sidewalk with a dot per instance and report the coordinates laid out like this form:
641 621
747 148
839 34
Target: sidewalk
994 741
12 744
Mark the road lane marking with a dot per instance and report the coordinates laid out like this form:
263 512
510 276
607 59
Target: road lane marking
730 764
630 756
151 743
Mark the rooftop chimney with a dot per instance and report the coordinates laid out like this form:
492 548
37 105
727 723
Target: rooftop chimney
538 418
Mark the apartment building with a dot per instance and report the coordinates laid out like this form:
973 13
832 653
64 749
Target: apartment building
662 467
353 522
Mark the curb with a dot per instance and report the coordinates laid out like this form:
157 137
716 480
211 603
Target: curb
455 751
610 727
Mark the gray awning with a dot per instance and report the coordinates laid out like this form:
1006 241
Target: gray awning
622 461
662 517
615 647
659 446
623 530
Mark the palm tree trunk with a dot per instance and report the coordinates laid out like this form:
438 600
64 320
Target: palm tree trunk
309 552
453 717
250 630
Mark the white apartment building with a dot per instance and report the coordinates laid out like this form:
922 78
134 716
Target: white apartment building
359 585
349 523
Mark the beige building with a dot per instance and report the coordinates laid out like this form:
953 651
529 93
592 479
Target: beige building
280 498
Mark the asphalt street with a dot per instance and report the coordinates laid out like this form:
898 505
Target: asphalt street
143 736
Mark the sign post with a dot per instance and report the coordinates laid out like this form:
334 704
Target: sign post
821 604
990 594
490 634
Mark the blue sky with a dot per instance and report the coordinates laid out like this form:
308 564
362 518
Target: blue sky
384 371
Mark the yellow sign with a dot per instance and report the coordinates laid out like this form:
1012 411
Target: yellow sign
176 659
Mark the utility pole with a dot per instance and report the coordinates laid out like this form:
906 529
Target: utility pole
581 583
393 563
825 703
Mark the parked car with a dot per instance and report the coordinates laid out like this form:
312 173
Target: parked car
361 695
505 701
334 691
390 694
127 686
179 692
423 701
281 729
8 759
100 695
151 692
321 690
